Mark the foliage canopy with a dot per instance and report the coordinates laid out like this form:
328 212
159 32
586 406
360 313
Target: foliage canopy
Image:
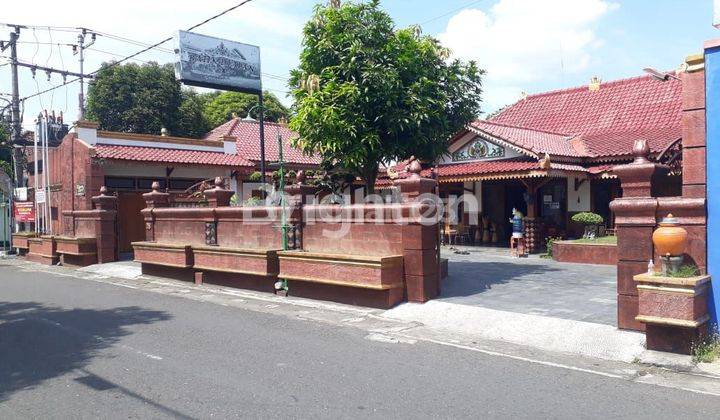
367 93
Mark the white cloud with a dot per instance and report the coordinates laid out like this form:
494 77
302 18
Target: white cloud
522 41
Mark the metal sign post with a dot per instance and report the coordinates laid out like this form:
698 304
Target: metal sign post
217 63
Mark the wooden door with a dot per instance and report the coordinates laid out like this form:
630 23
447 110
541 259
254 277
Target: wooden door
131 225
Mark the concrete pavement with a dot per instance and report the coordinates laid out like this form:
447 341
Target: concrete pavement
89 346
491 278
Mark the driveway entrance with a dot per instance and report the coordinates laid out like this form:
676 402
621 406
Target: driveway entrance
491 278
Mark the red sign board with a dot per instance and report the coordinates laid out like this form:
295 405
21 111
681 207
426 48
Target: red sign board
24 211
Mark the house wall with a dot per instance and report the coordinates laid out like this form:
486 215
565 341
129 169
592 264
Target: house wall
70 167
578 199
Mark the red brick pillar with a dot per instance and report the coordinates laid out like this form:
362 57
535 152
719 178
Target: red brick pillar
106 235
693 127
420 240
218 196
635 222
153 199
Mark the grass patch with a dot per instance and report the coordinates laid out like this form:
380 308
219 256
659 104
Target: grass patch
707 350
684 272
603 240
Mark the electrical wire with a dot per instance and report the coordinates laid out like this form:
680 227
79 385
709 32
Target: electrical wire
132 56
451 12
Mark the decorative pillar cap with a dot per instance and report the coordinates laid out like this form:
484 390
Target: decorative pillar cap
641 150
414 168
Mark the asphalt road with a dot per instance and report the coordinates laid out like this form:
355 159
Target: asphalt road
82 349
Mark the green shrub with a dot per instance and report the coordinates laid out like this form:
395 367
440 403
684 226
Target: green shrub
684 271
708 349
549 245
255 177
252 202
588 219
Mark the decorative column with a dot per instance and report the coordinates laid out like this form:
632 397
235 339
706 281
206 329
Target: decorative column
635 221
106 235
532 226
218 196
153 199
420 241
297 195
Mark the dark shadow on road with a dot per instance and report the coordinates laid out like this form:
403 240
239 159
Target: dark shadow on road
38 342
468 278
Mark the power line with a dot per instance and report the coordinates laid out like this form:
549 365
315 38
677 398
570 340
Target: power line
132 56
451 12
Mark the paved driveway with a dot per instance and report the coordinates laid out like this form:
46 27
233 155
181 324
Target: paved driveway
491 278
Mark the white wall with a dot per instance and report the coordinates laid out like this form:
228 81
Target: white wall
578 200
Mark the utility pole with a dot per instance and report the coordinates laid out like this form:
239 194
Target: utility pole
16 137
81 56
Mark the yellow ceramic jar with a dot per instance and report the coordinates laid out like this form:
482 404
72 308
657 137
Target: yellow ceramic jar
670 238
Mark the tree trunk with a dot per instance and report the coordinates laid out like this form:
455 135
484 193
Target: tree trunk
369 176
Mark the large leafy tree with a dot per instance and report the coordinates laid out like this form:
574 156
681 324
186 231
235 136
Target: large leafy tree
222 107
193 122
136 98
5 146
367 93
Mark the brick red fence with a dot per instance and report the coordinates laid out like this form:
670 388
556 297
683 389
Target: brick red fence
367 254
89 237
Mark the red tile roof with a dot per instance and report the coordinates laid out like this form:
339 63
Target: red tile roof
247 135
156 154
536 141
482 168
608 120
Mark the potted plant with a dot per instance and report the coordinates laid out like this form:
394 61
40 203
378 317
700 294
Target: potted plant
590 221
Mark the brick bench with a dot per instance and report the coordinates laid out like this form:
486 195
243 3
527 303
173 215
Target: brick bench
376 281
42 250
78 252
169 255
20 241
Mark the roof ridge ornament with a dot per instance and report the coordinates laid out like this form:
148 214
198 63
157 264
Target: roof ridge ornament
545 161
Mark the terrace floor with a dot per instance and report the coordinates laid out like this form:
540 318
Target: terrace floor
491 278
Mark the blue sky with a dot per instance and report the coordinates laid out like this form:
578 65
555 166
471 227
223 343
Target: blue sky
526 45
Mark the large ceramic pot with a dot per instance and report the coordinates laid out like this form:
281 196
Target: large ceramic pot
670 238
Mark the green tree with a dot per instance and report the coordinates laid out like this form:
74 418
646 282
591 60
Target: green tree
367 93
5 148
136 98
193 122
221 108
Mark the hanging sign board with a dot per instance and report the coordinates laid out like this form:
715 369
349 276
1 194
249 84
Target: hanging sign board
21 194
24 211
40 196
216 63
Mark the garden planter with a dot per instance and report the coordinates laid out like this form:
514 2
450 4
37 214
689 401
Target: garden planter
674 310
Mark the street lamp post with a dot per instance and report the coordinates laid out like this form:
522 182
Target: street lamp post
261 121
